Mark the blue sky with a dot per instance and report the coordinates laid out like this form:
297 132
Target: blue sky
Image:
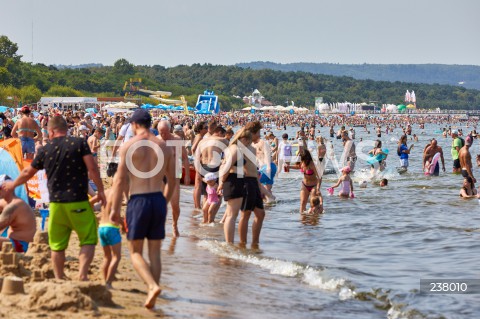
227 32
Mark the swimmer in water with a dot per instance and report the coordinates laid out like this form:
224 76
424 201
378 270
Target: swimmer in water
316 205
468 189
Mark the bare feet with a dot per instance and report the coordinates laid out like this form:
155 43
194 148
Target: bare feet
152 297
175 232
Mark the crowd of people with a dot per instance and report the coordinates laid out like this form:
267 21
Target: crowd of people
148 153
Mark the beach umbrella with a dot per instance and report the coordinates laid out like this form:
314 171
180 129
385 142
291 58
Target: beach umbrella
401 107
123 105
4 109
411 106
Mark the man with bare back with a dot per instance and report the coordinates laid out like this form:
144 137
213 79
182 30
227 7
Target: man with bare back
428 154
181 159
208 155
144 162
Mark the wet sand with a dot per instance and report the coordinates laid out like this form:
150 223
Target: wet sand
195 283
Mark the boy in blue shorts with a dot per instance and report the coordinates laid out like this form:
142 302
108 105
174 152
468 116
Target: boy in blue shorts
110 240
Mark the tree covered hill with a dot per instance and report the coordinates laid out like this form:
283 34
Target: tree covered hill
28 82
464 75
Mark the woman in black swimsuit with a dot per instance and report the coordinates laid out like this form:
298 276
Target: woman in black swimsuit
231 183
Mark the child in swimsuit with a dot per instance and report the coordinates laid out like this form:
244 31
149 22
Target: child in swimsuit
316 205
212 202
110 240
345 181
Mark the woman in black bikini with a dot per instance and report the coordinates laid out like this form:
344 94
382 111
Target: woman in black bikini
311 180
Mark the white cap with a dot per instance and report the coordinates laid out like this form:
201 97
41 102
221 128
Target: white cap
4 178
83 128
177 128
210 177
454 132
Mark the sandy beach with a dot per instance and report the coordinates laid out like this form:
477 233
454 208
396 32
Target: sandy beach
190 276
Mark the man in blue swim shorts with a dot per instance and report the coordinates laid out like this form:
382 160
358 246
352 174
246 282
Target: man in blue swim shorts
144 162
266 176
17 218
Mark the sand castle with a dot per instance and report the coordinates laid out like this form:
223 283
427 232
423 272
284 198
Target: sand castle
27 280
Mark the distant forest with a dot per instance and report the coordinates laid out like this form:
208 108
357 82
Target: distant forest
467 76
28 82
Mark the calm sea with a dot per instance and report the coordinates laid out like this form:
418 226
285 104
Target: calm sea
363 258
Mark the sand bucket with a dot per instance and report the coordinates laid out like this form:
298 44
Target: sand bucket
12 285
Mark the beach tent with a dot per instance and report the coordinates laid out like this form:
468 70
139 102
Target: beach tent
11 163
401 107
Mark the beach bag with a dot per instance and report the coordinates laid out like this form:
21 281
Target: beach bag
462 140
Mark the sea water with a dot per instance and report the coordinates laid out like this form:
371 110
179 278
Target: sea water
363 258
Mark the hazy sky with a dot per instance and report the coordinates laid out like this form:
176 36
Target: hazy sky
227 32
